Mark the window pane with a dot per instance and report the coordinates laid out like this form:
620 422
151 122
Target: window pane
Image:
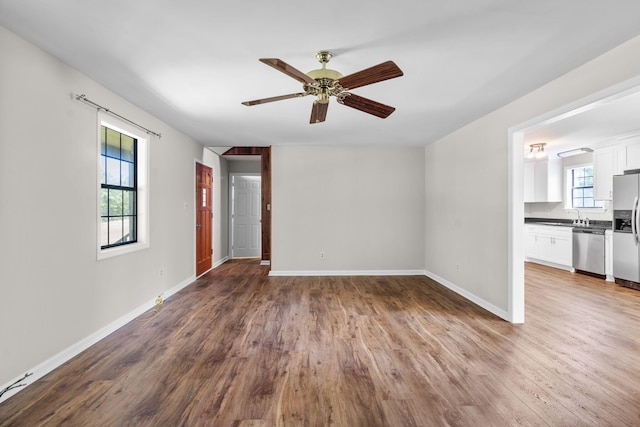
103 171
127 148
578 192
103 140
588 181
129 229
104 202
113 143
113 171
115 202
104 232
588 203
577 203
588 192
127 174
129 203
115 230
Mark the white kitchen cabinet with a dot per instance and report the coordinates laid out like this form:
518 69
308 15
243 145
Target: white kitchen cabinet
543 181
632 154
607 162
603 173
549 245
529 182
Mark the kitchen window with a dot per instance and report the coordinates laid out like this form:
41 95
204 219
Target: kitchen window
580 188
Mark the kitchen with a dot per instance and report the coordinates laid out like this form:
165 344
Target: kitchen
580 192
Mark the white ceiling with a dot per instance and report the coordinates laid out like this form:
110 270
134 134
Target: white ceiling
615 117
192 62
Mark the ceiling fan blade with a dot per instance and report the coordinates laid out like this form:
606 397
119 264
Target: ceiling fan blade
377 73
367 105
274 98
287 69
319 112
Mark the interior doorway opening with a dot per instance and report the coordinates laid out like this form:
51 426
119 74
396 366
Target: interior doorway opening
516 213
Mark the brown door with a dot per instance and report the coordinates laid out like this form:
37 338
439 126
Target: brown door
204 215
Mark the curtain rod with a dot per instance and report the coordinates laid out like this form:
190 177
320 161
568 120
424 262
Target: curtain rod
100 107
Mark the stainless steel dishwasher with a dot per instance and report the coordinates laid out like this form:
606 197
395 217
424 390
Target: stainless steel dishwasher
588 250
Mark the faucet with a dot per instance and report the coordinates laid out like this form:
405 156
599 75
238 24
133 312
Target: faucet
577 221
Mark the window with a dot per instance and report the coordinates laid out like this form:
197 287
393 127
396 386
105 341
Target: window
122 189
580 188
118 188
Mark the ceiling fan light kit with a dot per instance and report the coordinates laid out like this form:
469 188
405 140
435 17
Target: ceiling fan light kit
324 83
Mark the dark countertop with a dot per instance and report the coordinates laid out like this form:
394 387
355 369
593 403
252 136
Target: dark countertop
563 222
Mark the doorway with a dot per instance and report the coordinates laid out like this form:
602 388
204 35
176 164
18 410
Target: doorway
265 164
516 212
204 217
246 218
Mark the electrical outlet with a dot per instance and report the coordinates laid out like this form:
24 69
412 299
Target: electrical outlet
159 300
322 255
161 272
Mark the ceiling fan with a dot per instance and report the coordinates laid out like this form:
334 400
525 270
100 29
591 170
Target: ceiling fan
325 82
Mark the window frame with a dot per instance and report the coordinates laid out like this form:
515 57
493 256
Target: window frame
568 177
142 187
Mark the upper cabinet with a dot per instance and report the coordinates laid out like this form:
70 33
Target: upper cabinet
543 181
633 154
613 160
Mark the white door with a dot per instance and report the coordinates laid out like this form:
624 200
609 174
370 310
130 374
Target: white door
245 216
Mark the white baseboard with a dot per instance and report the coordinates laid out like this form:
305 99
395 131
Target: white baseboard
346 273
466 294
214 265
52 363
220 262
471 297
550 264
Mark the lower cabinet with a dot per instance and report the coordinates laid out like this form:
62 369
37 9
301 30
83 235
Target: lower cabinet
549 244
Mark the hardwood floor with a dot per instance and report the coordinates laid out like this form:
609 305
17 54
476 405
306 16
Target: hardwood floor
239 348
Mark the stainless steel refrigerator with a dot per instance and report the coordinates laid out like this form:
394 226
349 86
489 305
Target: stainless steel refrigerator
626 241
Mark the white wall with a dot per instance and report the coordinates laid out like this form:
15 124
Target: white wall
53 291
245 166
468 223
362 207
220 227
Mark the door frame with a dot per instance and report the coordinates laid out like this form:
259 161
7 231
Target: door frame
231 175
265 161
515 185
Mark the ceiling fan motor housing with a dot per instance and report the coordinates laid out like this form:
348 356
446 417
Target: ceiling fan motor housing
326 84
